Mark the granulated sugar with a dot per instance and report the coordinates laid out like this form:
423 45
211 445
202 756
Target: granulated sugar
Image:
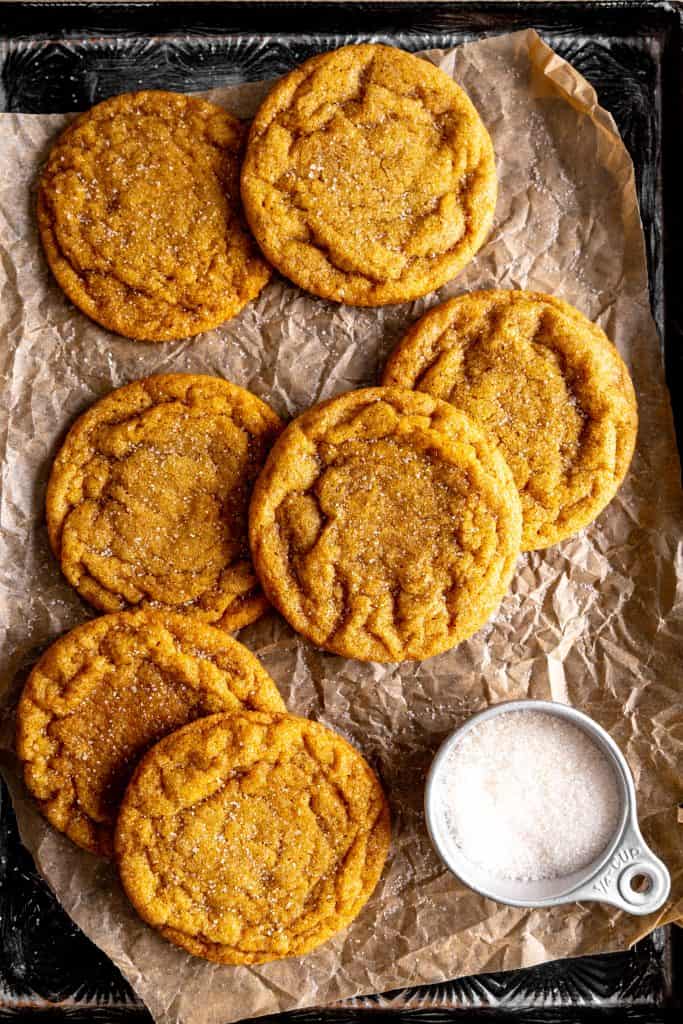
530 796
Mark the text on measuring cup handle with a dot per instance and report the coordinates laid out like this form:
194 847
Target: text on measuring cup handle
622 857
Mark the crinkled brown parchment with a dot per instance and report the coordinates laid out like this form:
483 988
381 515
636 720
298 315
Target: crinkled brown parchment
595 621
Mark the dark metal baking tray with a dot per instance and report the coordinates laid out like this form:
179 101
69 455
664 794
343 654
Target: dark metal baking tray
60 57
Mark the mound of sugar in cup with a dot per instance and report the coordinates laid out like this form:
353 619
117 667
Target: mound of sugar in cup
529 796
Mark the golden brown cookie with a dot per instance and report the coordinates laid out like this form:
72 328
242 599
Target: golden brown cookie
385 525
251 837
109 689
546 383
147 500
369 177
140 217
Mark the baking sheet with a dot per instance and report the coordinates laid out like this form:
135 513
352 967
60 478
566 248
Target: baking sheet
595 621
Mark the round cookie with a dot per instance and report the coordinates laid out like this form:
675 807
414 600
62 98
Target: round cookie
369 177
147 500
109 689
385 525
251 837
546 383
140 216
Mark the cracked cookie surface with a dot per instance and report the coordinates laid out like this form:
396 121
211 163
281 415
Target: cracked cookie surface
369 177
147 500
251 837
385 525
140 216
105 692
546 383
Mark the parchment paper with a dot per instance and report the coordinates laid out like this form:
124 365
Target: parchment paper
595 621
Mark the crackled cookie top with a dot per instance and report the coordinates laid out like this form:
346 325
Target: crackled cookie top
369 177
546 383
385 525
108 690
251 837
147 500
140 216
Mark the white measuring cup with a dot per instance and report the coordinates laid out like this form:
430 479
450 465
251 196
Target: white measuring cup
607 879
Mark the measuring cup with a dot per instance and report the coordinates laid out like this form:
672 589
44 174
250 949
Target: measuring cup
607 879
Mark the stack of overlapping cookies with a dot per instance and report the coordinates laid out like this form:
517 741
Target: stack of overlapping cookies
383 525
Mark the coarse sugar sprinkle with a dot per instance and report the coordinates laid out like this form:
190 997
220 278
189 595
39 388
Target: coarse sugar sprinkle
529 796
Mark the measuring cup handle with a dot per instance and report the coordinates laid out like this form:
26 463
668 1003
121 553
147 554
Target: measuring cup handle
612 884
